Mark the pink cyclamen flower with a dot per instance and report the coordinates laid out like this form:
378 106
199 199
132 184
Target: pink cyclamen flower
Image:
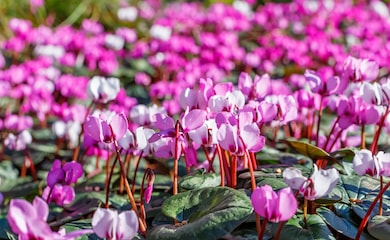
319 184
103 89
106 129
107 223
67 174
18 142
28 221
364 162
59 194
275 207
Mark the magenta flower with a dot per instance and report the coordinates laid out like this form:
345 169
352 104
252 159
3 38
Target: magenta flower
364 162
59 194
107 223
67 174
320 184
28 221
106 129
275 207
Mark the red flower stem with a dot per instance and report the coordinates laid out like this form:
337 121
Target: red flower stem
370 209
335 140
304 210
135 172
280 227
226 166
363 138
311 126
142 226
380 212
127 163
221 168
77 149
29 161
108 166
176 159
319 121
331 132
374 145
263 227
253 185
142 205
210 160
233 169
253 159
108 182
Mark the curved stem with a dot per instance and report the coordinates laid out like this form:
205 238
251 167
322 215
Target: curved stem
319 121
142 226
263 227
331 132
280 227
363 138
378 131
109 181
233 171
365 219
135 173
221 169
176 159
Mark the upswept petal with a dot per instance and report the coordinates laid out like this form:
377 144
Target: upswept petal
324 181
127 226
93 128
293 177
104 223
363 161
227 137
288 204
119 125
41 208
73 171
193 120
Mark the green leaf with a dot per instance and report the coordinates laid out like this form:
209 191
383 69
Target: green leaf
343 221
20 187
295 228
199 180
379 227
80 225
311 151
357 187
208 213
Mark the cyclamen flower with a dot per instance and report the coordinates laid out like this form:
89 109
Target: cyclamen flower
67 174
107 223
28 221
320 184
18 142
106 128
103 89
275 207
364 162
59 194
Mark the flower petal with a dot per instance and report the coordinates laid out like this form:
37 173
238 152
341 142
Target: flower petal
104 222
127 226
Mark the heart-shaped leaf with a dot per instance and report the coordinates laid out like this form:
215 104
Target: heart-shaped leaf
343 221
379 227
206 213
199 180
295 228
